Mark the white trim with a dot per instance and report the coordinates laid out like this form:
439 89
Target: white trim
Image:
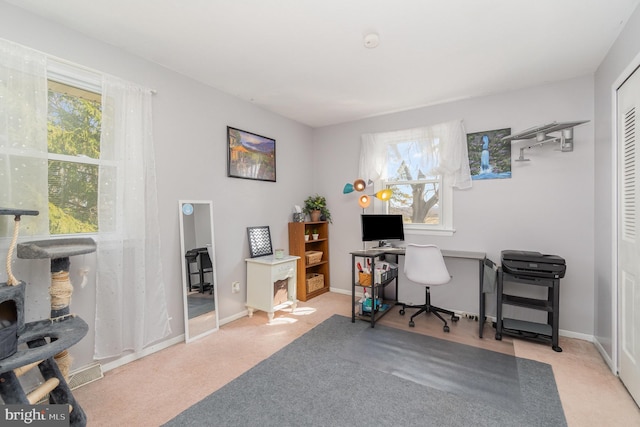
74 75
415 229
85 160
622 77
163 345
606 357
236 316
340 291
614 231
576 335
146 352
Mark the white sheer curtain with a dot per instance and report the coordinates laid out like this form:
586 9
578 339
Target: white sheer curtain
131 310
23 137
442 148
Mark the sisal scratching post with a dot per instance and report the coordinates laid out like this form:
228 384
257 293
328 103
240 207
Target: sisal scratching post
11 279
60 291
64 360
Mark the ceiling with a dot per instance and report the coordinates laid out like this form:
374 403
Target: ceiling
306 59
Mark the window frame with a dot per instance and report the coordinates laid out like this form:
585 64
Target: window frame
80 78
445 201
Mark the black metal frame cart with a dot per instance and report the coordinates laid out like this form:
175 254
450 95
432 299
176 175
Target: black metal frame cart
524 329
376 289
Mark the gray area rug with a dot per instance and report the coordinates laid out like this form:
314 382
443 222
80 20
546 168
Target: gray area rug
348 374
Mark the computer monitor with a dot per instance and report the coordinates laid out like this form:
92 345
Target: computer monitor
382 227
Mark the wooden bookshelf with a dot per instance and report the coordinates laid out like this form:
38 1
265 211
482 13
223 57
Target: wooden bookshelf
299 246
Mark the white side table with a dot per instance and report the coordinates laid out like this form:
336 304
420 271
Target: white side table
271 284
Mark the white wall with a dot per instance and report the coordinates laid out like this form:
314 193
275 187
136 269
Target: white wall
546 206
624 53
190 122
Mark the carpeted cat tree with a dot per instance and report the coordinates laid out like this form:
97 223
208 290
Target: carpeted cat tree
46 340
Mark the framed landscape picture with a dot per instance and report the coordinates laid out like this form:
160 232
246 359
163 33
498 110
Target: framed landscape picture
250 156
489 156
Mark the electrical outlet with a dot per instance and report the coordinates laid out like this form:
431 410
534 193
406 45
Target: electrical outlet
235 287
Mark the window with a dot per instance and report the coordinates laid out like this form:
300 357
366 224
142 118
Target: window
414 195
420 166
73 138
129 249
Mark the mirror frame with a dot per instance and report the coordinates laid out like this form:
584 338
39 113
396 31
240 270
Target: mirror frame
187 336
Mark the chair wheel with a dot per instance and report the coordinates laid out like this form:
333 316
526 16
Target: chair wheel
411 323
402 312
455 318
446 328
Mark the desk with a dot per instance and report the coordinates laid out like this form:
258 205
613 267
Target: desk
375 253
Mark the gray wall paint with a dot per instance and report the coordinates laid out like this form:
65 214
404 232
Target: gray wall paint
624 53
546 206
190 122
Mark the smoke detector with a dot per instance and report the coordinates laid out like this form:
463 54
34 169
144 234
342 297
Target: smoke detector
371 40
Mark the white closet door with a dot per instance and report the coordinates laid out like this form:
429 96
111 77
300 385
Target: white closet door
628 124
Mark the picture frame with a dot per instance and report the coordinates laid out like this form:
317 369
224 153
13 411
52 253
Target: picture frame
489 156
250 156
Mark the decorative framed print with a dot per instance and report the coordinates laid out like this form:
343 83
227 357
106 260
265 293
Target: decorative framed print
489 156
250 156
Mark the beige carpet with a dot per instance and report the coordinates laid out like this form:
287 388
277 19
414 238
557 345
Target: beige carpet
153 390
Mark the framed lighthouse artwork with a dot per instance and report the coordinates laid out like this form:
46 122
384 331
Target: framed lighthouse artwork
489 156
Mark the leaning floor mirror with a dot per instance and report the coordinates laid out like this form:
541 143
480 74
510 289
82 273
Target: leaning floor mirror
199 284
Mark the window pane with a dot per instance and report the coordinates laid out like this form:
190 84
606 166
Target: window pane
73 197
417 203
73 121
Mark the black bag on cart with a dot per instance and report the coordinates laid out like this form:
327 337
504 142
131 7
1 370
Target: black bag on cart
533 264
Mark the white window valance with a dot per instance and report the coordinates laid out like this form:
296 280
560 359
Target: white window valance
442 148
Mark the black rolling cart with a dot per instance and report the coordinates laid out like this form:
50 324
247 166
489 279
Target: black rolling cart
373 283
534 269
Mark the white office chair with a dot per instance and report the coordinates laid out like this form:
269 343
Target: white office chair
425 265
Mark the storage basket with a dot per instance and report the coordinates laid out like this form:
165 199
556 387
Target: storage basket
313 257
385 276
364 279
315 281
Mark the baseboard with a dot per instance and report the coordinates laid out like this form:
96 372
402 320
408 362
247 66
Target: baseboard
236 316
180 338
147 351
161 346
607 359
339 291
577 335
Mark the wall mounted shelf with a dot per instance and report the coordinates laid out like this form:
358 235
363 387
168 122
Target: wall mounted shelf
541 135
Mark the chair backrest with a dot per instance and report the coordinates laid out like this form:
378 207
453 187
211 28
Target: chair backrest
424 264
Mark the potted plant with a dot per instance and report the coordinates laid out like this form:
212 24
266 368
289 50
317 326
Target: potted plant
316 207
307 233
315 234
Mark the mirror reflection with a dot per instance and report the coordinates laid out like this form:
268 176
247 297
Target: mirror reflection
198 268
